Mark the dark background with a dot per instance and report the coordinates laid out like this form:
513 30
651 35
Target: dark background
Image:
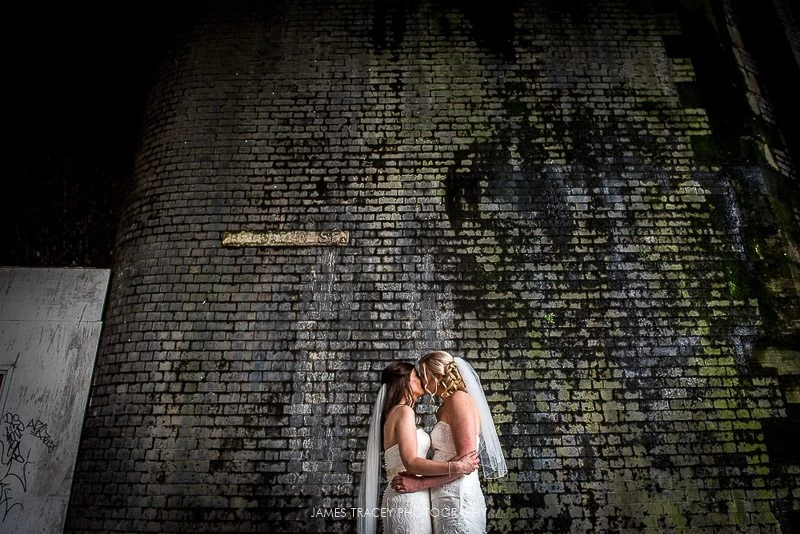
78 78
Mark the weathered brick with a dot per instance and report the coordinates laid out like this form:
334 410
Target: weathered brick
536 206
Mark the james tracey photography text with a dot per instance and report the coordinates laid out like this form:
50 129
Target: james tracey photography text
344 513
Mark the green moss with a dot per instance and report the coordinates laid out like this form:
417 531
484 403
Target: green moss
783 361
739 282
783 214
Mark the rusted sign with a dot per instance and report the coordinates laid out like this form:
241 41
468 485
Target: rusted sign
286 239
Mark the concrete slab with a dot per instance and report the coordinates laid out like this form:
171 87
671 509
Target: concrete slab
49 332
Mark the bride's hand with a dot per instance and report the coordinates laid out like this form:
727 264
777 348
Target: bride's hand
407 483
465 464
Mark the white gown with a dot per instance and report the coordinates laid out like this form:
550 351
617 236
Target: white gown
406 513
457 507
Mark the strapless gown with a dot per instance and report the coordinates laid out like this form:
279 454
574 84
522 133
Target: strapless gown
406 513
457 507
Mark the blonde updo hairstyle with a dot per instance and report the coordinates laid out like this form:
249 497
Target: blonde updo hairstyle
441 363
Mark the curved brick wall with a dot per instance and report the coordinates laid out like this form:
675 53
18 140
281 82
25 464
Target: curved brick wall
519 186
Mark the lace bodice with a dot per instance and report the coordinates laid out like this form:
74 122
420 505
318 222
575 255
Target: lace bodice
457 507
444 448
394 464
406 513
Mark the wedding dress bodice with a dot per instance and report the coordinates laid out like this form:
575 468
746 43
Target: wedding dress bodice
457 507
444 447
406 513
394 464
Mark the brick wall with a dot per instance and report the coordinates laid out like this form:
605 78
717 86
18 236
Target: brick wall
520 187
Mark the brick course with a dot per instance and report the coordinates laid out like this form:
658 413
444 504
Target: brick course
530 200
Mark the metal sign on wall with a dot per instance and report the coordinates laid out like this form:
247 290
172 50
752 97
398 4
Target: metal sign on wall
297 238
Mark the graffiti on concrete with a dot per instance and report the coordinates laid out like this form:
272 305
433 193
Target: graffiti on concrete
15 457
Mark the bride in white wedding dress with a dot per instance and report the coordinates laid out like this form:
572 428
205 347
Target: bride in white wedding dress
463 423
405 450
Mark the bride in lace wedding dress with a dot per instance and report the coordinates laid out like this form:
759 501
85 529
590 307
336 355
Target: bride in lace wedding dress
405 449
463 423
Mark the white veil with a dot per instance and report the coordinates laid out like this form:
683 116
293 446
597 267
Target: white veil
371 472
493 462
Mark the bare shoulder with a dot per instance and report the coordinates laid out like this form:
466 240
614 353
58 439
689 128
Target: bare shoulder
400 412
459 404
462 399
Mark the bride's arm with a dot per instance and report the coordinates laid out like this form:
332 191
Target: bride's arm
406 434
406 483
462 417
411 483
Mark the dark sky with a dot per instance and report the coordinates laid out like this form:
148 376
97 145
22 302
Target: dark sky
82 73
78 80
